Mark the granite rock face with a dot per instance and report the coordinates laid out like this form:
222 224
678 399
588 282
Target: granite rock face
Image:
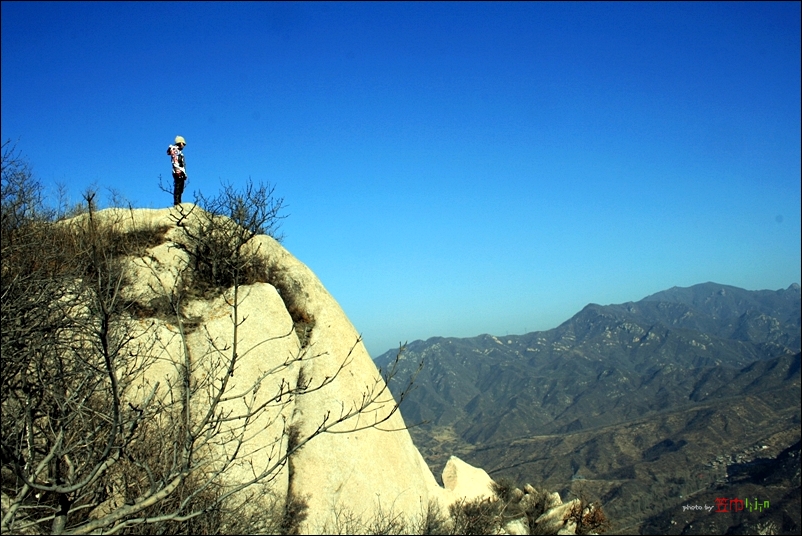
328 431
361 465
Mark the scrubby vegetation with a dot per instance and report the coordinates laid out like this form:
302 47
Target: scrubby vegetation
219 239
221 251
509 510
517 511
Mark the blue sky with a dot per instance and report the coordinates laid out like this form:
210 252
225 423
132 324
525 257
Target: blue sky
450 169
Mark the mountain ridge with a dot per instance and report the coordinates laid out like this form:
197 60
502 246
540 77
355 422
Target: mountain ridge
635 400
611 346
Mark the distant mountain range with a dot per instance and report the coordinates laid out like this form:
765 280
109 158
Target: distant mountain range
656 387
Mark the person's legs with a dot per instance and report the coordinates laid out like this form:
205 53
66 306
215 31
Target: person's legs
178 188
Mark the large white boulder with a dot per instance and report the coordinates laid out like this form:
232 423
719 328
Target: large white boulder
464 481
358 467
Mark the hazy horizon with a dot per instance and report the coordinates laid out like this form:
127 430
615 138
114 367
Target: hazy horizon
450 169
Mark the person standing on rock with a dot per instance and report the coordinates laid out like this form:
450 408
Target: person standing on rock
176 153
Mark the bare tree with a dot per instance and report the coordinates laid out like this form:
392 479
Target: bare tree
91 441
66 369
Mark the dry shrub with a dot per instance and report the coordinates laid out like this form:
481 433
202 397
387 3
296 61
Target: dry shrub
433 521
588 516
504 489
480 516
220 252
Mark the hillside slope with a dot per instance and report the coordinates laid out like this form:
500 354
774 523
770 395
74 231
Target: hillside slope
635 400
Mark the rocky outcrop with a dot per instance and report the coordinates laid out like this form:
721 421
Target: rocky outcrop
354 466
465 481
322 385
